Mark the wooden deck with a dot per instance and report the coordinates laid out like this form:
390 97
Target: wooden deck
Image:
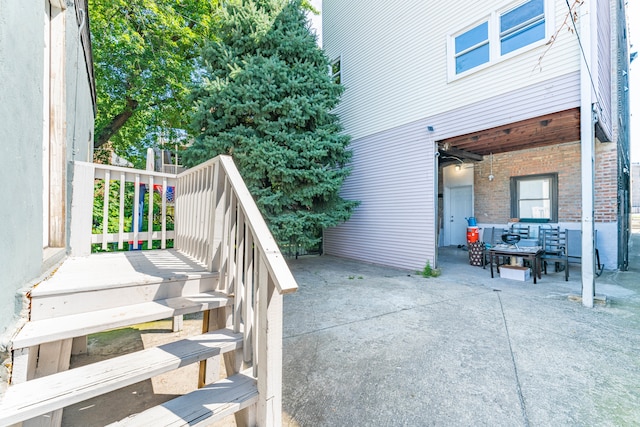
119 269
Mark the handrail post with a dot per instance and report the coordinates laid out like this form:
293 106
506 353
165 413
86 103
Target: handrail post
269 349
81 209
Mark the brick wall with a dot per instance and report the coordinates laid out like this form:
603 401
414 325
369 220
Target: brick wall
492 198
606 183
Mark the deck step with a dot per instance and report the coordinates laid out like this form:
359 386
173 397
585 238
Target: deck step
76 325
42 395
106 280
201 407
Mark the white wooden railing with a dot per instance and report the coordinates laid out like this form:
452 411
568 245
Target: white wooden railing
86 175
218 224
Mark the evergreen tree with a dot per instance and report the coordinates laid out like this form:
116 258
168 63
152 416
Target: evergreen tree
266 99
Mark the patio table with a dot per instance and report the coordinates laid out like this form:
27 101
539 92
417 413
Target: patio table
532 253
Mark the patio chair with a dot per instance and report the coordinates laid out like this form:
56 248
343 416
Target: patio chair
524 231
492 236
574 250
542 229
555 249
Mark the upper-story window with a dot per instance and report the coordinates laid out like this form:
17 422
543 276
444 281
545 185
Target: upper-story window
522 26
335 70
502 32
472 47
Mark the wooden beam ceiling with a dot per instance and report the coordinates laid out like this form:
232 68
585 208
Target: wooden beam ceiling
550 129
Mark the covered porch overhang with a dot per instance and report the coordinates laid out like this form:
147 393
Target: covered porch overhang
545 130
556 128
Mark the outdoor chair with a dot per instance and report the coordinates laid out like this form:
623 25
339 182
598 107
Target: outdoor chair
491 236
574 249
555 249
521 230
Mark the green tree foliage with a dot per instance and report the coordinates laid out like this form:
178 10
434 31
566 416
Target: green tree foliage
145 57
267 100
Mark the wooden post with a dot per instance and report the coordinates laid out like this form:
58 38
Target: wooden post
81 209
269 410
53 357
218 318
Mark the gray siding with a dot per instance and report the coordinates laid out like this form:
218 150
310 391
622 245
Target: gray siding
604 69
393 177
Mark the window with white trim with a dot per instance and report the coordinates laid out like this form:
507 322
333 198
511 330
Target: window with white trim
535 197
502 32
472 47
522 26
335 70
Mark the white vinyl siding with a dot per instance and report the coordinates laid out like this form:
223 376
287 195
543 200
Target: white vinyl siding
397 61
498 36
393 175
393 179
561 93
604 66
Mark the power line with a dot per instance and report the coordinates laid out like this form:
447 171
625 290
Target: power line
584 56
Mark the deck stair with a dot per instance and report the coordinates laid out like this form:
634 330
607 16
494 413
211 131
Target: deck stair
225 264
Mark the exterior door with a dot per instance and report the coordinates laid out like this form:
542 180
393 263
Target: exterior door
461 207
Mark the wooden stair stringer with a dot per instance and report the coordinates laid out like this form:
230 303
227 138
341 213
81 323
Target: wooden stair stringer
47 330
201 407
42 395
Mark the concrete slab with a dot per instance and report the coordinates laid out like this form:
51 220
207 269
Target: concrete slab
368 345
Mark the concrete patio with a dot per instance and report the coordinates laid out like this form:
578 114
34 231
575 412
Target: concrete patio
367 345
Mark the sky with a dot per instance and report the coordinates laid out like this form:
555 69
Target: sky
633 20
316 20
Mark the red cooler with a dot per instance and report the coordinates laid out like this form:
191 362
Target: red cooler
472 234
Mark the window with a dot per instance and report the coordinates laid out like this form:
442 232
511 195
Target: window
336 71
535 197
500 33
522 26
472 48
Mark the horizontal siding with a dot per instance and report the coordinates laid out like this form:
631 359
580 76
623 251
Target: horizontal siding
604 64
393 177
394 60
559 94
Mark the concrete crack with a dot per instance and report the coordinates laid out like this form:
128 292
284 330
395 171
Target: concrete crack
523 406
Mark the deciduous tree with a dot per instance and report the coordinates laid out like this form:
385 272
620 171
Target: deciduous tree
145 59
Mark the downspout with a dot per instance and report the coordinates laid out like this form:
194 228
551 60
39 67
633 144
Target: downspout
436 225
587 152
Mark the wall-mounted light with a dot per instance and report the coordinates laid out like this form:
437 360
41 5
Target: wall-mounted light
458 167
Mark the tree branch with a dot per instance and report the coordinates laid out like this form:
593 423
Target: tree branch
116 123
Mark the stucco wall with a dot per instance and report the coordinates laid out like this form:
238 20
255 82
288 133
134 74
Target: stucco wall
21 113
22 59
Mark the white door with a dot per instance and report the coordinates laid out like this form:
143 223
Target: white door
461 207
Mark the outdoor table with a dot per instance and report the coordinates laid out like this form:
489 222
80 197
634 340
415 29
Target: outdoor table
532 253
